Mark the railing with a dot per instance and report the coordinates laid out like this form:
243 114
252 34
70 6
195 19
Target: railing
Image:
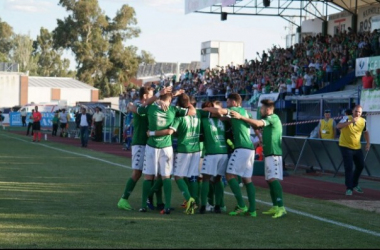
325 155
339 84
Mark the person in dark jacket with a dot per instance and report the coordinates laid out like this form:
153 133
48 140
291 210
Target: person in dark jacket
83 121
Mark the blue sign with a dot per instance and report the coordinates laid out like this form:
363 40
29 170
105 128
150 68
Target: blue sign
46 121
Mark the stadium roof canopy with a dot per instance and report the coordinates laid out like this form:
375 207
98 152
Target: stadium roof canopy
351 5
290 10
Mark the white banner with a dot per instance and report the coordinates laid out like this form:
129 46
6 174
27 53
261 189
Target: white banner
271 96
367 63
194 5
361 66
369 100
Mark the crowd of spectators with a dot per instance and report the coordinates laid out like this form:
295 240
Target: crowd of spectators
301 69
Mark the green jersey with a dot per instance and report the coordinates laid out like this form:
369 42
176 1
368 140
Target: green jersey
241 130
377 81
55 120
159 119
140 126
272 135
188 130
214 136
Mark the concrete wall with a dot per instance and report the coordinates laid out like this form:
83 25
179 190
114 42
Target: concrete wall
338 22
75 95
312 26
227 53
113 100
39 94
9 89
231 53
70 95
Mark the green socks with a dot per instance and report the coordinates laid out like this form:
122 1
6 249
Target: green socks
157 189
277 190
193 188
128 188
168 192
234 185
147 185
184 189
251 193
272 195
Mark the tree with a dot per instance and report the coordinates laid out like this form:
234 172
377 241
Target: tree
6 33
21 53
48 59
97 42
146 58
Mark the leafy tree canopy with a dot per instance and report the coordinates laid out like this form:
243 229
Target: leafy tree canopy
97 42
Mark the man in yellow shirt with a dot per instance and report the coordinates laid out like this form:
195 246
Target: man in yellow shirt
351 128
327 126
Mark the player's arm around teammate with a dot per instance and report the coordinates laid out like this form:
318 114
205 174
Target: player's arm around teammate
272 140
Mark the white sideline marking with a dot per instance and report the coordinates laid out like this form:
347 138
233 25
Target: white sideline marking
70 152
257 200
319 218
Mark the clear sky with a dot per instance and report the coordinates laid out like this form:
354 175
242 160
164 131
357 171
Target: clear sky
166 32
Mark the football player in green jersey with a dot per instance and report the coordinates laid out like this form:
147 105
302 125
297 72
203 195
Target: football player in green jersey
159 149
188 153
272 145
187 156
139 140
242 159
215 160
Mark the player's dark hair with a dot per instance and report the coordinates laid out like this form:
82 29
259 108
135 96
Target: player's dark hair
207 104
144 91
166 96
183 100
235 97
267 103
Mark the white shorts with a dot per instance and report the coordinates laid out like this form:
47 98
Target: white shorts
215 164
241 162
138 154
158 161
186 164
273 167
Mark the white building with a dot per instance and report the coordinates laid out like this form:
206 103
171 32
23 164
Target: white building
17 89
221 53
